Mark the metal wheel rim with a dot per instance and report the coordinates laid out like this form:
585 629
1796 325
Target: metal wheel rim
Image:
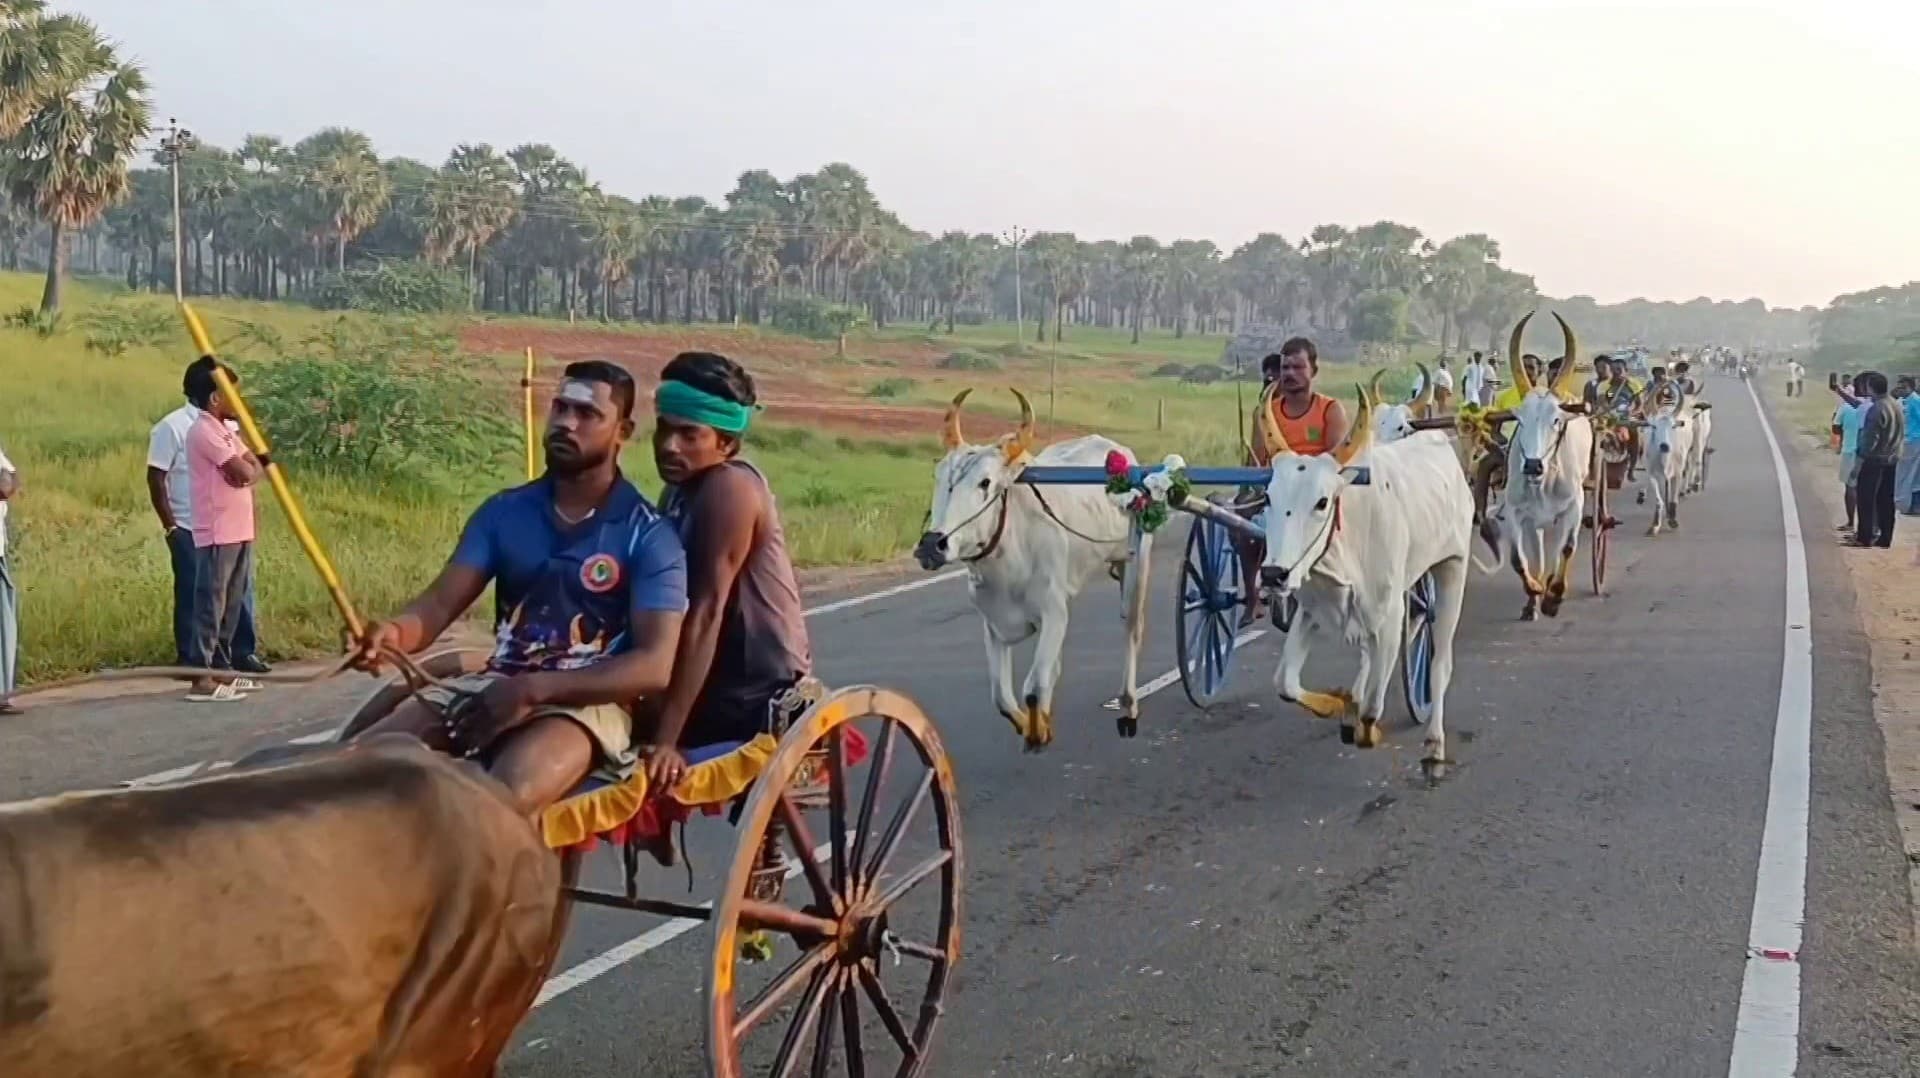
916 1020
1204 647
1416 658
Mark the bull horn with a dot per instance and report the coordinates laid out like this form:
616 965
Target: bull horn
1270 432
1514 364
1370 396
1026 432
1425 405
951 438
1565 383
1360 435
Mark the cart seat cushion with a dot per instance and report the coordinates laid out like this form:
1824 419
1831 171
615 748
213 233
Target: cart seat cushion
716 774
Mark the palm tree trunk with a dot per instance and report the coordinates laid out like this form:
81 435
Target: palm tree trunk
340 250
56 268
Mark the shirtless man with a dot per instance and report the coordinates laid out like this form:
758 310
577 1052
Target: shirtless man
590 585
1313 423
744 642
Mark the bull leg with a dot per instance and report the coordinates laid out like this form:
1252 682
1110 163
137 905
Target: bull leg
1450 591
1043 676
1519 559
1138 567
1286 678
1000 681
1569 528
1379 657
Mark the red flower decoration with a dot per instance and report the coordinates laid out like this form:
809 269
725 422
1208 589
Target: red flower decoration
1117 462
1139 504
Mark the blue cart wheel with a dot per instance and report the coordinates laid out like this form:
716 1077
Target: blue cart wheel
1210 599
1416 650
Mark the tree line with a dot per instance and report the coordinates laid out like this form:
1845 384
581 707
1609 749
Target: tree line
527 231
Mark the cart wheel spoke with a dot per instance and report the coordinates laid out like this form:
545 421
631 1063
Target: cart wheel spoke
876 778
850 1029
882 1006
897 827
912 878
802 1023
801 925
837 806
916 948
800 836
823 1036
782 986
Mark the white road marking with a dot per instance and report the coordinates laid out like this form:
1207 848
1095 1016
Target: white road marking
614 957
174 773
1766 1033
607 961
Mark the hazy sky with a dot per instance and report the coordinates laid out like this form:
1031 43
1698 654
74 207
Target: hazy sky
1667 149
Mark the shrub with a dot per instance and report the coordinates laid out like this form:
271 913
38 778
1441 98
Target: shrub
1170 370
360 397
808 317
968 361
1202 374
113 328
29 317
891 387
392 288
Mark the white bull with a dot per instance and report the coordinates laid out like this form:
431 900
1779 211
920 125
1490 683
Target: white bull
1027 553
1669 448
1392 422
1699 446
1348 534
1548 459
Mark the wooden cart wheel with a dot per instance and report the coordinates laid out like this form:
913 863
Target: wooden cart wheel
1209 599
1416 650
858 915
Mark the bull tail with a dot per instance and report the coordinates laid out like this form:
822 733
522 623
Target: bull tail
1499 551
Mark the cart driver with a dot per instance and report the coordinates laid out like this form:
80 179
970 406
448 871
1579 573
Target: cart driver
744 643
1313 423
1496 455
590 585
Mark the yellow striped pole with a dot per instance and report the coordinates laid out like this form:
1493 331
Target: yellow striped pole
281 491
526 392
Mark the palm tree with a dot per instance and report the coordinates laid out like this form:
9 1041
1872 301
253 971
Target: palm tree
40 55
1142 274
614 234
467 203
959 264
342 178
68 159
1063 272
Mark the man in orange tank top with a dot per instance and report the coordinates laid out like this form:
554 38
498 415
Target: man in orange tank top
1313 423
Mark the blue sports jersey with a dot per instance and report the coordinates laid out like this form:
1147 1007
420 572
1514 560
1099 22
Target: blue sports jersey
564 596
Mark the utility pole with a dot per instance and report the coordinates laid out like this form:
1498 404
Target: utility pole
177 142
1017 236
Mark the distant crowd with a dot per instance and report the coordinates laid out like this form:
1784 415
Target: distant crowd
1876 429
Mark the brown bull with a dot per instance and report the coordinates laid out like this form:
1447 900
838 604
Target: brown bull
375 911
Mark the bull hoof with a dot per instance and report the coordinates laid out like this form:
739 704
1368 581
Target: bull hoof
1346 734
1127 727
1433 769
1527 614
1641 498
1550 606
1039 731
1369 735
1326 705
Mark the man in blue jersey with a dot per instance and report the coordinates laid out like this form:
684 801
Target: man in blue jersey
590 585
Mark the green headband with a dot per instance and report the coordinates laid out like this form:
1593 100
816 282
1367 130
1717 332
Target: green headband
682 401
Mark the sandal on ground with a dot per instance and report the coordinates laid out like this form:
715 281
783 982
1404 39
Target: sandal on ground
223 693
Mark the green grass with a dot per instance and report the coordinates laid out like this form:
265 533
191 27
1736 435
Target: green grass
1810 413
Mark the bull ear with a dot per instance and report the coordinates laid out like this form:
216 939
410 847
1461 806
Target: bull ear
950 436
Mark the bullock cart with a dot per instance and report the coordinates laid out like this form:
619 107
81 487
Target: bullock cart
1210 589
859 871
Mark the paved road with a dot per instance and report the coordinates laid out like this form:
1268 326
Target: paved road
1235 893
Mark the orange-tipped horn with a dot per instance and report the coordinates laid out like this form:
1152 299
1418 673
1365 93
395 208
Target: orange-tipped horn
1360 435
1270 431
1424 407
1518 368
1025 434
1565 383
1370 396
951 438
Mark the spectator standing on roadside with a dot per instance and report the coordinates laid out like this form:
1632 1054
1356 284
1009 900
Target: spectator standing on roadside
1882 435
1442 388
1795 374
1852 409
9 595
169 488
1473 382
1906 485
221 473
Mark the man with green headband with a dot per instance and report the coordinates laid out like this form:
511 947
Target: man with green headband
744 642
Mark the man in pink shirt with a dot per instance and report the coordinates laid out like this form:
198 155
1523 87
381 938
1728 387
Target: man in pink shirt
221 473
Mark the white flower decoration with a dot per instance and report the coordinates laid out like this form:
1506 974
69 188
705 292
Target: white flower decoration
1122 501
1157 484
1175 463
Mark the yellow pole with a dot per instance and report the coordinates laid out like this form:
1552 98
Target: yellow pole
526 392
281 491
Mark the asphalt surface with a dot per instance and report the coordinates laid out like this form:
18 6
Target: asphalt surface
1236 893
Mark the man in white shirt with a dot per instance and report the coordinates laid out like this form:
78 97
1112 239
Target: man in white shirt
170 491
1473 382
1795 372
1443 387
9 595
